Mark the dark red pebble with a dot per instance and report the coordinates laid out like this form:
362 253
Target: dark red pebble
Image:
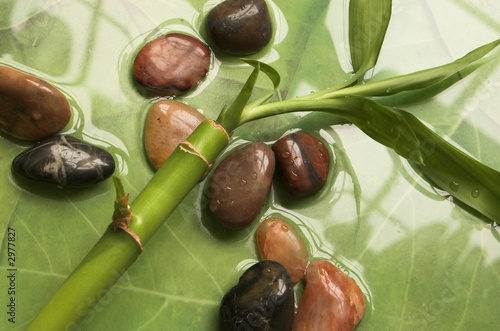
172 64
303 163
240 26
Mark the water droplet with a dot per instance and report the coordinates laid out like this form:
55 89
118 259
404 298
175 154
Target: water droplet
243 181
312 92
475 193
284 228
388 90
294 176
454 186
254 175
347 96
285 155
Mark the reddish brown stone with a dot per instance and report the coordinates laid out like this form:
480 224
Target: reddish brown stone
303 163
168 124
277 240
171 64
331 300
30 108
240 184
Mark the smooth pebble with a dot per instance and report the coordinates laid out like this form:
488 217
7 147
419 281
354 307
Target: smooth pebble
30 108
302 162
64 160
168 123
172 64
240 27
239 185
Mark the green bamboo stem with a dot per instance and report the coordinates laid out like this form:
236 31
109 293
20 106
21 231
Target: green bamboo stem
115 252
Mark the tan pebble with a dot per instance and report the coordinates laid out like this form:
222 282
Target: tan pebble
168 123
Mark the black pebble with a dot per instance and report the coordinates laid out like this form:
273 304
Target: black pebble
262 300
65 161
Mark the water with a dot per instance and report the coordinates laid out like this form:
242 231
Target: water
403 228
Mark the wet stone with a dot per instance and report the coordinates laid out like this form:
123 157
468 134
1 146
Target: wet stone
171 65
239 185
278 240
168 123
302 162
65 161
331 300
30 108
263 299
240 26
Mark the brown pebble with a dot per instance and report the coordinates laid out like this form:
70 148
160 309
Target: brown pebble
240 184
331 300
171 65
30 108
277 240
302 162
240 26
168 123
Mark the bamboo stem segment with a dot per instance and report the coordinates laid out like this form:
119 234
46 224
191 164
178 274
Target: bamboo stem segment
115 252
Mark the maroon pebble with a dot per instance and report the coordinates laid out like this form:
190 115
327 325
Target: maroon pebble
303 163
172 64
240 184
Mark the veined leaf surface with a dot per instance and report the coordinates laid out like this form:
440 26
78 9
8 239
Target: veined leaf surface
422 261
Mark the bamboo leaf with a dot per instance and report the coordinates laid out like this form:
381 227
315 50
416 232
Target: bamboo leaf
273 75
368 22
417 80
462 176
229 117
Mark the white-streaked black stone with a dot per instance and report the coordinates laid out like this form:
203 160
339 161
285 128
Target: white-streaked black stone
262 300
65 161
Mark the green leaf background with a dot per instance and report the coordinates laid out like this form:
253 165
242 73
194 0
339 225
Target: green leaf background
422 261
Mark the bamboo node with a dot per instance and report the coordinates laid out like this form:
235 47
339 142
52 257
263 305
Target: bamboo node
122 218
187 147
217 125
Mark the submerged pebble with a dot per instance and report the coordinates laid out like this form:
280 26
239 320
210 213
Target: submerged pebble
64 160
303 163
277 240
263 300
172 64
331 300
240 26
30 108
168 123
239 186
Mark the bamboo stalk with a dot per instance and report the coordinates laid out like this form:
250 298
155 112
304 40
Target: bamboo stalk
115 252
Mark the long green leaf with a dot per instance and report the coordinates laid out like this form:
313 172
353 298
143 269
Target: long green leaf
417 80
368 22
464 177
